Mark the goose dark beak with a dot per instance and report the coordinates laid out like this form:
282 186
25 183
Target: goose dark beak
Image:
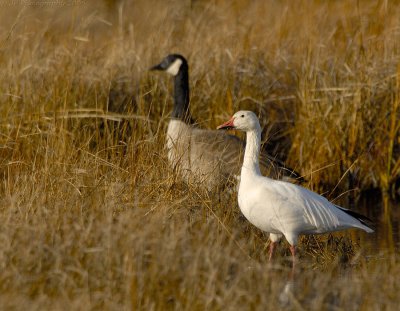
157 67
161 66
227 125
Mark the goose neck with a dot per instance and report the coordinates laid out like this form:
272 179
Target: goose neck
252 152
181 95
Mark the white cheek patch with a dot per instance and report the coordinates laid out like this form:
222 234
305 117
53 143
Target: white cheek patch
174 68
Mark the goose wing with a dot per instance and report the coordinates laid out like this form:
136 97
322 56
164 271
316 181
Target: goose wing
208 147
319 215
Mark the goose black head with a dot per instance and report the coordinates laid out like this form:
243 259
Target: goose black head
172 64
176 65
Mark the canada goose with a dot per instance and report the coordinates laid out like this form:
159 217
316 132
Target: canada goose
207 156
279 207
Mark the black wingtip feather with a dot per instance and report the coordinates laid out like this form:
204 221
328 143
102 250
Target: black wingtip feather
363 219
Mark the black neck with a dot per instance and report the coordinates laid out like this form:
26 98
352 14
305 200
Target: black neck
181 95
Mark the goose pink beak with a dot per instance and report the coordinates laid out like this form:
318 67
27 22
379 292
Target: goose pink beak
227 125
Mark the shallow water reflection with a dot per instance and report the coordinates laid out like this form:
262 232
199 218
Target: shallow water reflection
386 217
287 296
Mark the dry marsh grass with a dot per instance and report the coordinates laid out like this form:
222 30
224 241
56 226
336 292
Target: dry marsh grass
93 217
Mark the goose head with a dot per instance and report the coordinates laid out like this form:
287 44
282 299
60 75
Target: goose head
243 121
172 64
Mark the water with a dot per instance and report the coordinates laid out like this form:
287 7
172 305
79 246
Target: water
386 216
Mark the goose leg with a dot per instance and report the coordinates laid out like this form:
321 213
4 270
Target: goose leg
293 251
274 240
292 238
272 247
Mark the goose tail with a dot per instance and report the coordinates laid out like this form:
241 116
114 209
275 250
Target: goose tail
366 222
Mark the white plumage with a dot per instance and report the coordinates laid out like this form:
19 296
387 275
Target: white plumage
279 207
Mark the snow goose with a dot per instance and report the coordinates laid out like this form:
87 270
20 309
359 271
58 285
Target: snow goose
279 207
207 156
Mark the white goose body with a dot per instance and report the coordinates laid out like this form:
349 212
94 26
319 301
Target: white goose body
279 207
210 157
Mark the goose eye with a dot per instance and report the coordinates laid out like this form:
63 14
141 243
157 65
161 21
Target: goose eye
242 115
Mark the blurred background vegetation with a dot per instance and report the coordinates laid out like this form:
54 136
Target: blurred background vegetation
323 76
91 213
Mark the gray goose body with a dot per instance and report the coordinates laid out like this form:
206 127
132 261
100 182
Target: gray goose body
212 158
